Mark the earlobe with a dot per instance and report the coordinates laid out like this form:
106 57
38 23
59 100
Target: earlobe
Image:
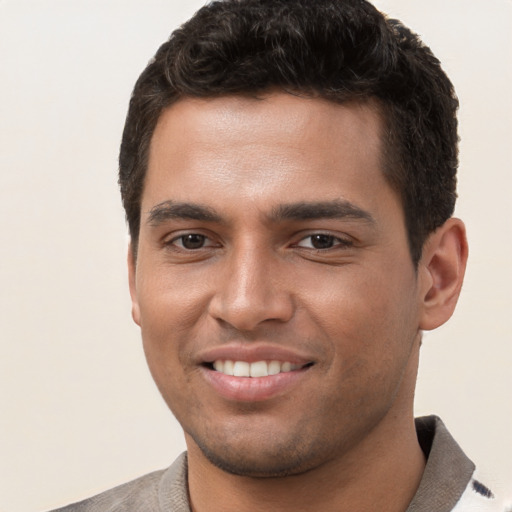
443 265
132 267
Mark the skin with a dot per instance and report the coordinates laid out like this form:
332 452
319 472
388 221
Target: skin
269 223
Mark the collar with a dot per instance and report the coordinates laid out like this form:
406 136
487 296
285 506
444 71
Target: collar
448 470
447 473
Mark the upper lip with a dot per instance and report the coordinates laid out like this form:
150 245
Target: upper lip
253 352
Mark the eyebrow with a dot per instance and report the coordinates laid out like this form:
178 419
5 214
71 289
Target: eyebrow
172 210
337 209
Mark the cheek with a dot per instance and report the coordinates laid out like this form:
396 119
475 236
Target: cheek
172 309
166 316
364 311
170 298
172 313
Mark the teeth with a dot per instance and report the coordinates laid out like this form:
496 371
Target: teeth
228 368
274 367
257 369
286 367
242 369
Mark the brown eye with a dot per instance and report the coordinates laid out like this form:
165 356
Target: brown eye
322 241
192 241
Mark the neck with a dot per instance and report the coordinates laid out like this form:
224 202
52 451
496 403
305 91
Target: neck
385 468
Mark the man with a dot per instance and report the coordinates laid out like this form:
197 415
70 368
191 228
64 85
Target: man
288 172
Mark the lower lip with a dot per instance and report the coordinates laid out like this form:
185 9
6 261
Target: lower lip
253 389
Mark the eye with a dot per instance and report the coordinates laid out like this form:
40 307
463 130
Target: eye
192 241
324 241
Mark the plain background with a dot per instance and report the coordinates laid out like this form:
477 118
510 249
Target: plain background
79 412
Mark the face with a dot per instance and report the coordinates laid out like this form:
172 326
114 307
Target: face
274 287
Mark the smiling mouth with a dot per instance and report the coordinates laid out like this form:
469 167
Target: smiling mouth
256 369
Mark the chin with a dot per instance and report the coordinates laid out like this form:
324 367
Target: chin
256 467
264 458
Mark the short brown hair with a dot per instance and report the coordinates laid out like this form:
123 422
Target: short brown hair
340 50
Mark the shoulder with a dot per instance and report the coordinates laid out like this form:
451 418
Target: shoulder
154 492
139 494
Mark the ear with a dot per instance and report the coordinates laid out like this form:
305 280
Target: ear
132 270
442 265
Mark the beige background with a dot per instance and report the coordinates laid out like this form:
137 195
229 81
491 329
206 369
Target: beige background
78 410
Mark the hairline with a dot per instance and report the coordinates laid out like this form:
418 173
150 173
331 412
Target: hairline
389 157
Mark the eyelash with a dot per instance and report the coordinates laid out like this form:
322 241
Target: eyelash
337 242
173 242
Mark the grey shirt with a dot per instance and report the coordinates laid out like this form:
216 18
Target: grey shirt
447 475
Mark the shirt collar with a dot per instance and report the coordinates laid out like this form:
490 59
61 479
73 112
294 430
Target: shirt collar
447 472
446 476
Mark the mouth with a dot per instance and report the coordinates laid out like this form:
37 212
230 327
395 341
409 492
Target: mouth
254 373
257 369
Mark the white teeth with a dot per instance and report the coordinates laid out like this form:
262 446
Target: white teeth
286 367
242 369
274 367
228 368
257 369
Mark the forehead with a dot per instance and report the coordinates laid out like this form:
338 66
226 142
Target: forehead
292 119
261 148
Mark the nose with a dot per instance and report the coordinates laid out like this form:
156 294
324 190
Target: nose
251 290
